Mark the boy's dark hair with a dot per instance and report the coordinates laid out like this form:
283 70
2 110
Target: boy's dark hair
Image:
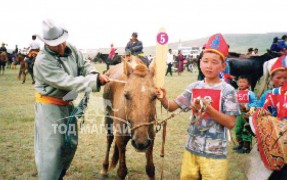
222 60
34 37
244 77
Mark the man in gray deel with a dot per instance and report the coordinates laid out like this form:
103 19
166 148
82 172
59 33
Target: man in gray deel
59 68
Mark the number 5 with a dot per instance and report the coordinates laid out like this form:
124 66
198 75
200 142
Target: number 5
162 38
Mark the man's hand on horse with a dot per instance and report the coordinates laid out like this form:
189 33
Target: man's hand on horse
103 79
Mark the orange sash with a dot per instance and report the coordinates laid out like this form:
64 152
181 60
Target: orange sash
50 100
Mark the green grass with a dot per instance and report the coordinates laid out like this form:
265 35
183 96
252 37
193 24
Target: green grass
17 143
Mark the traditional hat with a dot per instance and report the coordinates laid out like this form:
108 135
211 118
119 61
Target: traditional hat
53 34
280 64
217 44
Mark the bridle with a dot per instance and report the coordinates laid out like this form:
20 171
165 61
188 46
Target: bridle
157 122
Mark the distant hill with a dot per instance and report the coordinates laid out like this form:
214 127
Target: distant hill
238 42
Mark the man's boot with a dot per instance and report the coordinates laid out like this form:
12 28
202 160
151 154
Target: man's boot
240 146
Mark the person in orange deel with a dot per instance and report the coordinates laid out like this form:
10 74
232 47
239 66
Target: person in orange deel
205 155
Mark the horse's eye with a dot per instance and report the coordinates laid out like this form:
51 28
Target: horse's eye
127 96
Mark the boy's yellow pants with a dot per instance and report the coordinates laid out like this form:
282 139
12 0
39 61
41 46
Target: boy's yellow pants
198 167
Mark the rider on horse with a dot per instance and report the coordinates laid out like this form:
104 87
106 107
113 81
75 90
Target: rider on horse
3 48
135 47
34 48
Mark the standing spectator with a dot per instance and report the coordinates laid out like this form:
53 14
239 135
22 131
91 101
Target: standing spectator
180 59
150 58
247 100
169 62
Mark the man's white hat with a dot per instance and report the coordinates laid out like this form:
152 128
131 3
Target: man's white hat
53 34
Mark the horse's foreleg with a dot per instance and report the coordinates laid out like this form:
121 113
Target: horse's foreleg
20 73
110 138
24 77
150 169
121 142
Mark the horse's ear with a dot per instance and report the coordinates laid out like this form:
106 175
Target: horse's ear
127 68
152 67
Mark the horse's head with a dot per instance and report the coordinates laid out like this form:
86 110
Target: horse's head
3 56
140 99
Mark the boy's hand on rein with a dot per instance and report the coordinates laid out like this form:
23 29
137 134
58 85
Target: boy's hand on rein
160 93
196 105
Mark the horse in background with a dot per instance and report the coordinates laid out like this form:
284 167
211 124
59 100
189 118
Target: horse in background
133 105
25 68
251 67
3 61
100 57
265 82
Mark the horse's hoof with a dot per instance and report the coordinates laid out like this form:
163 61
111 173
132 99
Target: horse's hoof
33 82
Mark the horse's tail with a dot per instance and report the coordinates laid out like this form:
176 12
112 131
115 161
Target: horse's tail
115 158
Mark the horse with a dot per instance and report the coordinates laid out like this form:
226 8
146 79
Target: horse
3 61
100 57
133 107
10 60
251 67
25 68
